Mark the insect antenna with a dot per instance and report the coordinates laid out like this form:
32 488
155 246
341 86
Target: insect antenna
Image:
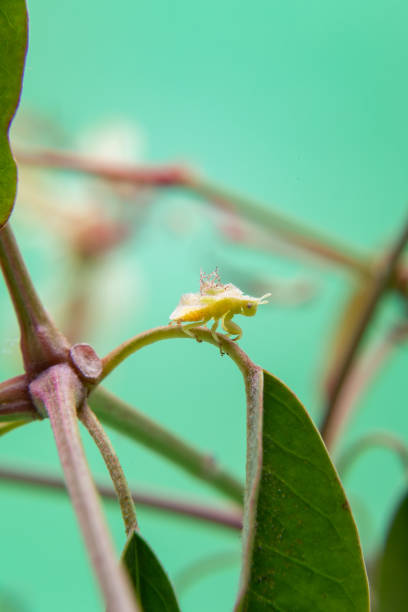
262 300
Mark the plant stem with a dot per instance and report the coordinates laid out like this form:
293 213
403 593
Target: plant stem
148 432
380 285
118 477
225 517
292 231
58 392
168 332
161 176
365 370
42 345
132 423
15 401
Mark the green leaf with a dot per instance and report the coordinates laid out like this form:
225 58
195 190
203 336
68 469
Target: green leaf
301 548
10 425
148 577
13 45
391 584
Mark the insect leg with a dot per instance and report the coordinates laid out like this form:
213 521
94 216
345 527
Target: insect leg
214 335
213 328
186 328
230 327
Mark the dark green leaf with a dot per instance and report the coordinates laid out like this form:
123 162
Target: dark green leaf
13 44
301 548
392 572
148 577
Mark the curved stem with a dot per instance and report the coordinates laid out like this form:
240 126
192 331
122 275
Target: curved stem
88 418
173 448
168 332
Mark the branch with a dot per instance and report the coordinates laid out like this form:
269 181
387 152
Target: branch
225 517
380 285
294 232
118 477
42 345
58 392
15 401
364 371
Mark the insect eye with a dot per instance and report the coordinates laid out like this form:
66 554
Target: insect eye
249 305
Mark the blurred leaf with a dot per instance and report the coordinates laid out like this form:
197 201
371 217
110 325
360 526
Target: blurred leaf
9 426
148 577
391 583
301 548
13 43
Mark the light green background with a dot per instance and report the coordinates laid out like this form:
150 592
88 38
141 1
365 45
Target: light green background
299 104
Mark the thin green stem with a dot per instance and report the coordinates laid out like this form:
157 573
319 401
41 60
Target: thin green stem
380 285
224 517
127 420
42 344
59 392
88 418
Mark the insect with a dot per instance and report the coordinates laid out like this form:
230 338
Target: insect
215 301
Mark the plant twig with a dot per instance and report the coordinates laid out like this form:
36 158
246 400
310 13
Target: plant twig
380 284
124 418
225 517
42 345
168 332
110 457
160 176
364 371
292 231
15 402
59 393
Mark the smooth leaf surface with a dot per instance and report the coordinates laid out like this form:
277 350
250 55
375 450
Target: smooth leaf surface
301 549
13 44
148 577
392 572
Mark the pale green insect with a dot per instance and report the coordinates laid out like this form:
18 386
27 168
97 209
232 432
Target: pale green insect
215 301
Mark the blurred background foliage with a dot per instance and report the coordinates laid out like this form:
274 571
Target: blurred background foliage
299 105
